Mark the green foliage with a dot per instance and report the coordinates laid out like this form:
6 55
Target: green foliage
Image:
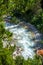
1 44
14 20
5 57
5 54
35 61
12 48
19 60
9 34
2 30
38 21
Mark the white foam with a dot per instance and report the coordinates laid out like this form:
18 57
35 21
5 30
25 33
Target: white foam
23 40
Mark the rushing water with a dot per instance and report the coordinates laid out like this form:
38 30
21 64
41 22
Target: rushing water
24 39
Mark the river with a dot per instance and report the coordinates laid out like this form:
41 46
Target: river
27 37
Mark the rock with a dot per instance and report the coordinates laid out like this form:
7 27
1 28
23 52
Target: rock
26 27
40 52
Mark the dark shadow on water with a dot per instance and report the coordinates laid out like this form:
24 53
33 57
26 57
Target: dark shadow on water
38 46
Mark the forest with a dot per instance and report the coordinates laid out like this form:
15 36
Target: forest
30 11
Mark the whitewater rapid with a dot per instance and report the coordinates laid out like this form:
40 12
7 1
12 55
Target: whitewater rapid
24 39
